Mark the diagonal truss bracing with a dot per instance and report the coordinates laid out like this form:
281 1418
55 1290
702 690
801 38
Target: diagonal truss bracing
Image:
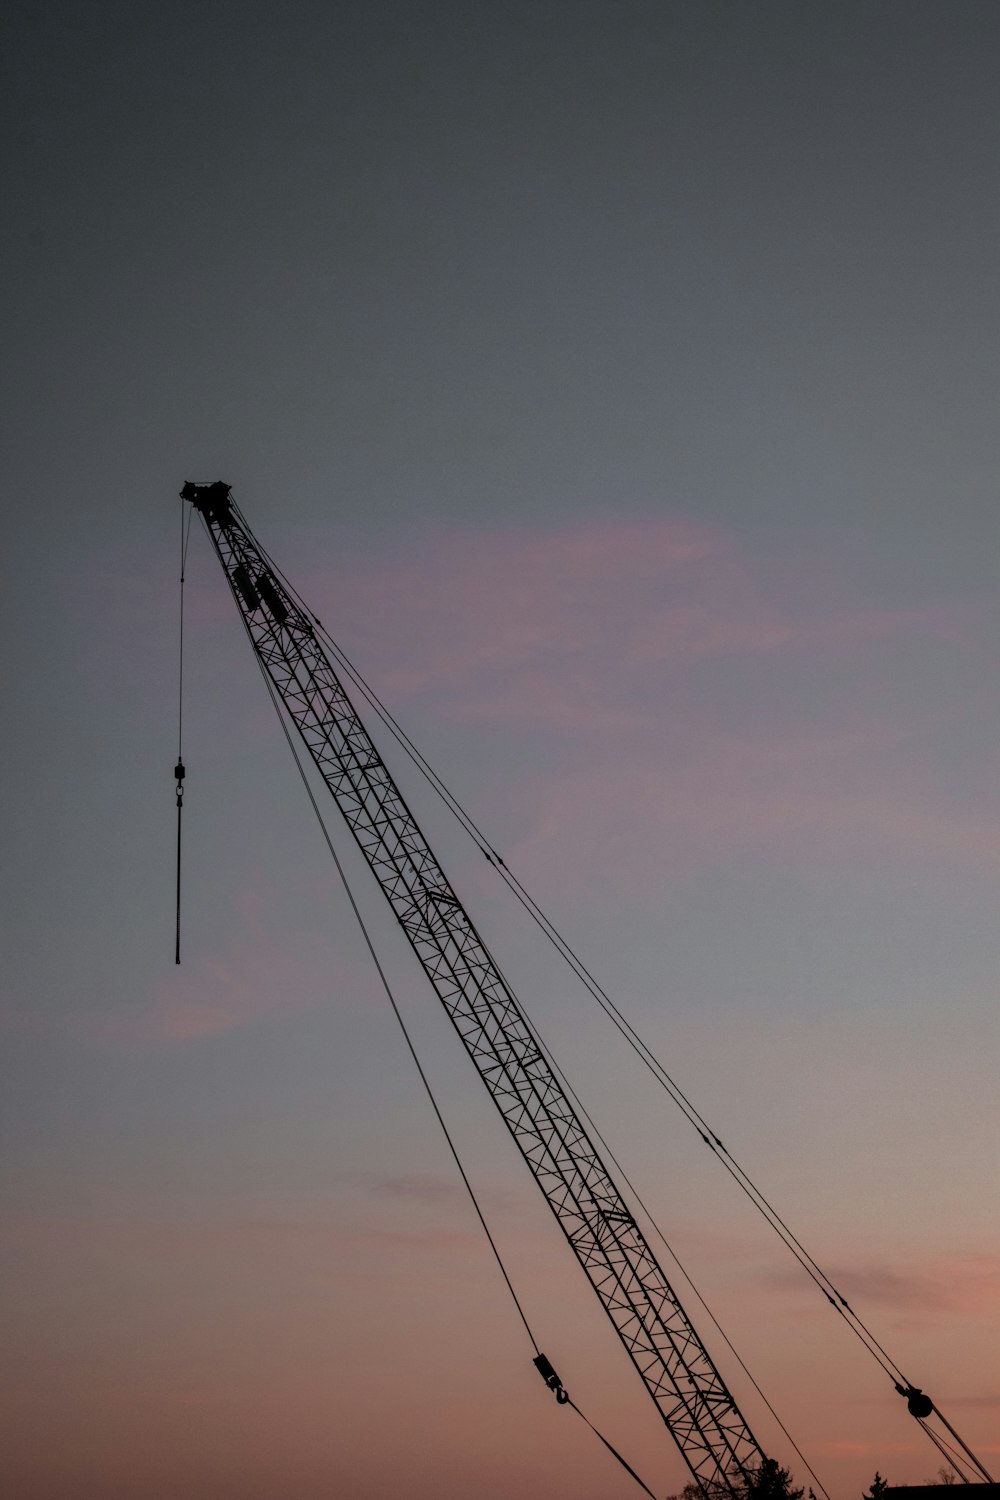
679 1374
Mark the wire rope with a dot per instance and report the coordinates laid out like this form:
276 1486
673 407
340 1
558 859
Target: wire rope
563 1397
945 1450
815 1272
428 772
621 1023
806 1261
970 1456
661 1236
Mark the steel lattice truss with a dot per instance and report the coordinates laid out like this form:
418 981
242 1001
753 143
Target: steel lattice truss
690 1394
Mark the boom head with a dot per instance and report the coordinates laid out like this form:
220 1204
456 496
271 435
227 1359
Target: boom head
213 500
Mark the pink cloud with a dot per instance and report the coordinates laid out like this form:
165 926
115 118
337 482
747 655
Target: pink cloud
798 796
438 1192
547 625
967 1286
423 1187
862 1448
590 642
248 980
595 637
506 602
214 996
576 608
305 1239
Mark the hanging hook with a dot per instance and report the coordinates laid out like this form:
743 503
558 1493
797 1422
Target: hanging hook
179 773
551 1379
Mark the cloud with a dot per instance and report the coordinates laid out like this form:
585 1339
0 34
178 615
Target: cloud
861 1448
508 624
436 1192
250 978
247 1239
422 1187
213 996
371 1238
673 698
581 607
600 645
809 799
967 1286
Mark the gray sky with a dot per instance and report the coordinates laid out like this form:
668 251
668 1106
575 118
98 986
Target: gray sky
620 382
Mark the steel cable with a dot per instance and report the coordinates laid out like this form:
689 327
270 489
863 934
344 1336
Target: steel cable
805 1260
390 995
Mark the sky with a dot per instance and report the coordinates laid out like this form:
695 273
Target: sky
618 383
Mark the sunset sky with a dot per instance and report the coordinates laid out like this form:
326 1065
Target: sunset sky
619 384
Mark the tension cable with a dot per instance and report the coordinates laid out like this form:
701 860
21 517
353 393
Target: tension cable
563 1397
916 1400
645 1053
657 1229
547 1373
540 1361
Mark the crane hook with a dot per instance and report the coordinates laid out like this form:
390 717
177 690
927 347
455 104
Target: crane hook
551 1379
179 773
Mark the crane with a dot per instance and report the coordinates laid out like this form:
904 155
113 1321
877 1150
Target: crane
678 1372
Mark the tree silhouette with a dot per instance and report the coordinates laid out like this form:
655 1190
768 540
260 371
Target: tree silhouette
877 1488
767 1482
771 1482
